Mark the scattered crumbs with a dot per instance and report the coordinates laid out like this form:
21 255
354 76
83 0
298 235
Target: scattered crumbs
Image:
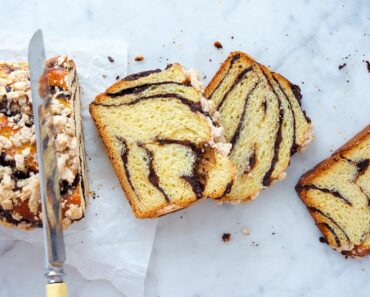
342 66
255 244
226 237
302 82
104 76
217 44
93 194
82 241
139 58
273 233
323 239
180 217
368 66
245 231
117 77
286 35
347 81
89 158
210 60
110 59
204 77
232 37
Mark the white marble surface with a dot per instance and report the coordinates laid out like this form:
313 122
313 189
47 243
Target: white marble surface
304 40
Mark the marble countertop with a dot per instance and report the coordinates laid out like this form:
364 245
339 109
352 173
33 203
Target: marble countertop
305 41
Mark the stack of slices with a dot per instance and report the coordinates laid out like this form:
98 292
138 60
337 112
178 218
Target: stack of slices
19 179
263 120
164 141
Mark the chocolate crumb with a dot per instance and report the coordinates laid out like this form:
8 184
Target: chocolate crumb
110 59
226 237
210 60
368 66
104 76
139 58
232 37
117 77
217 44
342 66
323 240
273 233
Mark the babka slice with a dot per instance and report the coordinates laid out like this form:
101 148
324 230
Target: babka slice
337 194
165 145
263 120
19 179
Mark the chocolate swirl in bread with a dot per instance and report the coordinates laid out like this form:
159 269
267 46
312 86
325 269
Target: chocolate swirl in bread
263 121
337 194
162 141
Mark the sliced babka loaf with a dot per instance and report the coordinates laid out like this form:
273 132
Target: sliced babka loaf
165 146
263 120
19 179
337 194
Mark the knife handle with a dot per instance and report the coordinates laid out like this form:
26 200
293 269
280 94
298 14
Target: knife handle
56 290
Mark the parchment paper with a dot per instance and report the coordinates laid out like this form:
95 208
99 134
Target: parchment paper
110 243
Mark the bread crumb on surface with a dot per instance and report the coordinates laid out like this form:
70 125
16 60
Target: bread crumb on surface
110 59
139 58
245 231
217 44
226 237
342 66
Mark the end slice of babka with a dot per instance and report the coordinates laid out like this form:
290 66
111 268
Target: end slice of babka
164 141
263 120
19 179
337 195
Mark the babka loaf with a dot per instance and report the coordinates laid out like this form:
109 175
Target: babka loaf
337 194
19 179
263 120
166 147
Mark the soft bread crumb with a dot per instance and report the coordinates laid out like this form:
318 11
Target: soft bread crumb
139 58
226 237
217 44
245 231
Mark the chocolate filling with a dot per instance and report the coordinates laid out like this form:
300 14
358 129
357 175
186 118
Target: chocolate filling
7 215
195 179
194 106
331 230
251 162
153 177
266 181
236 135
240 76
141 88
124 158
362 166
6 162
294 147
232 61
313 209
227 190
141 74
324 190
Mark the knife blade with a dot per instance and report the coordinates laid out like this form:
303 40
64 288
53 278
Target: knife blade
46 155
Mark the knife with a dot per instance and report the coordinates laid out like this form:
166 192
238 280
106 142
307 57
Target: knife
46 155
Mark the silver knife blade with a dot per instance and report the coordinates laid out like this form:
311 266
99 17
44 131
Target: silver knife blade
46 153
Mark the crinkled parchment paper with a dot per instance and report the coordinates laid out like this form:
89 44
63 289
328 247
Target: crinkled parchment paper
110 243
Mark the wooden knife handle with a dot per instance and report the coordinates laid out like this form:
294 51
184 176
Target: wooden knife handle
56 290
